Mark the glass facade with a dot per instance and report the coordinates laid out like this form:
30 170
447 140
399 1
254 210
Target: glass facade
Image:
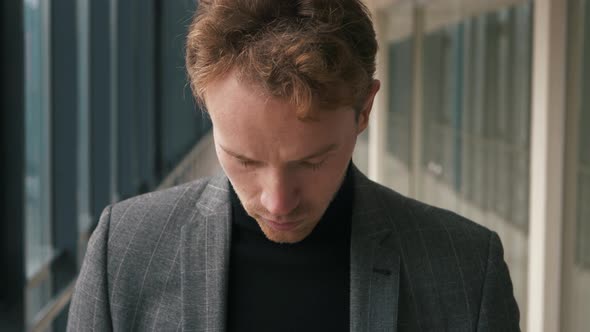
473 104
37 127
576 237
476 114
106 114
39 248
398 158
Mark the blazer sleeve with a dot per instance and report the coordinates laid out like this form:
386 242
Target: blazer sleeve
89 308
498 310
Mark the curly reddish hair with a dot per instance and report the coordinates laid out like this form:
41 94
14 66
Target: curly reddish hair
312 53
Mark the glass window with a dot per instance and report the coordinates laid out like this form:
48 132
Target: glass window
576 234
397 52
181 123
400 107
360 156
583 205
39 251
37 135
84 127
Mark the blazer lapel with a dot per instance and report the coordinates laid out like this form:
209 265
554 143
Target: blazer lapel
374 264
205 242
205 248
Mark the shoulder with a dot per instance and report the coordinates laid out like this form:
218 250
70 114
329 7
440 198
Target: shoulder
445 253
406 214
427 233
161 200
456 226
165 210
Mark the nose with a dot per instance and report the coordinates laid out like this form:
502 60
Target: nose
280 194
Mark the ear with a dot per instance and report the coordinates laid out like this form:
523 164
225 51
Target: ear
363 117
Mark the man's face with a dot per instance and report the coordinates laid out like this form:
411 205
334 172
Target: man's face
284 171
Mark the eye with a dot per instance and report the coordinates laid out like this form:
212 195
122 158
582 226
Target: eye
313 166
246 163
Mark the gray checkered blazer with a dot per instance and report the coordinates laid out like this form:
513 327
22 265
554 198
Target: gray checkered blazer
159 262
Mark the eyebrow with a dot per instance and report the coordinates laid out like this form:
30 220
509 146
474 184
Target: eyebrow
318 153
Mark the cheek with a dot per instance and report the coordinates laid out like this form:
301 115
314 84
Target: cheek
326 183
320 186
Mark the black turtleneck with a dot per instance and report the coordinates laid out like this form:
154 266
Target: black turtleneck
291 287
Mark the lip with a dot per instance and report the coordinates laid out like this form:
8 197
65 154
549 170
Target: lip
281 226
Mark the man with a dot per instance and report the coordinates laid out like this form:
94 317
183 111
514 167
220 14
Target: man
292 237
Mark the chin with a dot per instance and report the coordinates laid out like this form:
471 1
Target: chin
287 237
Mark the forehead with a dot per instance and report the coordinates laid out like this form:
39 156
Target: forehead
246 118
